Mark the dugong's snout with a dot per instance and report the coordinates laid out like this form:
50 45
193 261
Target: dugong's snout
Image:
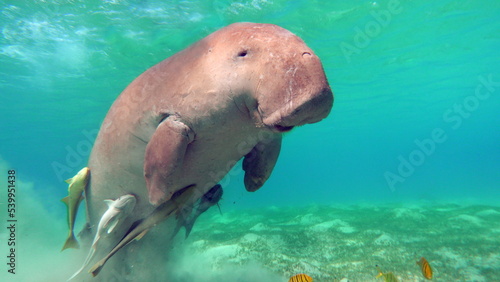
310 111
306 96
299 93
316 109
313 99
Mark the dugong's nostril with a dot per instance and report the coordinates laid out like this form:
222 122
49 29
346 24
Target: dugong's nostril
306 54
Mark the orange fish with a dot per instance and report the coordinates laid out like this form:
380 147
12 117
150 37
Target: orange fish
425 267
301 278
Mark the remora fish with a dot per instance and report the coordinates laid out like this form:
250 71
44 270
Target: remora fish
212 197
141 227
76 187
117 210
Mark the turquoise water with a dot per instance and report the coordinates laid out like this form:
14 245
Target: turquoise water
415 119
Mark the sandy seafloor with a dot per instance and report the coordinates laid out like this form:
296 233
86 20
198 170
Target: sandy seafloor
462 243
328 242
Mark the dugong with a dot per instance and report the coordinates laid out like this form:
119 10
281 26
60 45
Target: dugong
189 119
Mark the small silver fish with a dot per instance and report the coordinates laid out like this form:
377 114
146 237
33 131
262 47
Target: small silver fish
141 227
76 187
117 210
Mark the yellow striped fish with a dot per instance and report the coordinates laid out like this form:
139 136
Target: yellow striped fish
426 268
388 277
301 278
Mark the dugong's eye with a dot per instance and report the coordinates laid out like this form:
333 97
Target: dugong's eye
242 53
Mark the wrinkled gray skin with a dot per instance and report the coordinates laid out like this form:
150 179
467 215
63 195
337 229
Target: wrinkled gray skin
190 118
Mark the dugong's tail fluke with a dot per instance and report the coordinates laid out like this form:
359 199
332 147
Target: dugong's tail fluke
71 242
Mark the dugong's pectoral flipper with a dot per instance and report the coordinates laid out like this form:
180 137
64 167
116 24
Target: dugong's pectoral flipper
259 163
164 157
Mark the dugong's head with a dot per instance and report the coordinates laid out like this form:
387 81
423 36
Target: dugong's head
282 78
